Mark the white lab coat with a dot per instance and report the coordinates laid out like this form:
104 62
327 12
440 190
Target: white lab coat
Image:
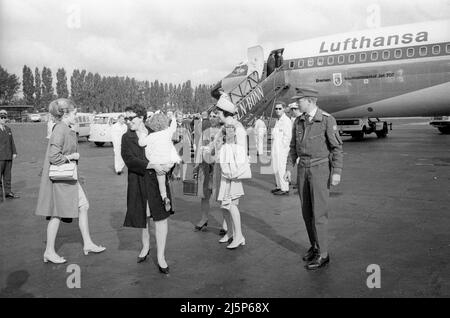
117 130
281 138
260 133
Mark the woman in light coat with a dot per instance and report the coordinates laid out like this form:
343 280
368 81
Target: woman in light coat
63 199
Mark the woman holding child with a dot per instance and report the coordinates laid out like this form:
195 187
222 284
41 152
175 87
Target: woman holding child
143 194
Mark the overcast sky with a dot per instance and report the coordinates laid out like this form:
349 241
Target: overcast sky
177 40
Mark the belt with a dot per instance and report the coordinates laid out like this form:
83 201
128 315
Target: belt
307 162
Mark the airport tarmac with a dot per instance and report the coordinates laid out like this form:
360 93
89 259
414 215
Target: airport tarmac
392 209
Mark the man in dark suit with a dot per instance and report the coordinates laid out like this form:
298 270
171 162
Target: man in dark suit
7 154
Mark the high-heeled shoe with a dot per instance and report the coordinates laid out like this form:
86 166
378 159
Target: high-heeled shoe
97 249
199 228
142 259
62 260
236 244
164 270
226 239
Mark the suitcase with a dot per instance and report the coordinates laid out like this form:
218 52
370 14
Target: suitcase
190 187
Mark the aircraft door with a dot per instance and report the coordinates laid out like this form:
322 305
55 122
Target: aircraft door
255 55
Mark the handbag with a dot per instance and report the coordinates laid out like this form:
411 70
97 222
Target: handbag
243 168
244 171
64 172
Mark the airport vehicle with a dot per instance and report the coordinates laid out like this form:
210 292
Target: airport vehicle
100 131
83 124
358 127
442 123
398 71
35 117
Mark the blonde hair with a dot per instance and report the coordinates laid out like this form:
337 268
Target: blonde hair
158 122
61 106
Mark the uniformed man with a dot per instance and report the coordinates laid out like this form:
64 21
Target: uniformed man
279 59
270 64
7 154
294 111
318 147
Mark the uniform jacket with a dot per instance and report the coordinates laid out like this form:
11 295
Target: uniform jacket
7 146
58 198
316 142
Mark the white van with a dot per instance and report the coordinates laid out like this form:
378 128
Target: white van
101 128
83 124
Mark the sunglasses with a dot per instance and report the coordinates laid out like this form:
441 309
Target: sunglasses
278 108
2 117
130 118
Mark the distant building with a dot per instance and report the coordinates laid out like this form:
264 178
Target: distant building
17 113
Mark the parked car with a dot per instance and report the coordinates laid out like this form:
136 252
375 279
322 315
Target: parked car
35 117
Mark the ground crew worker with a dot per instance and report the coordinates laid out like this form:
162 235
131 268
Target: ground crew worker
318 147
281 137
117 131
259 135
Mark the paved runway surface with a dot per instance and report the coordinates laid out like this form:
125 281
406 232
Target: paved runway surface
391 209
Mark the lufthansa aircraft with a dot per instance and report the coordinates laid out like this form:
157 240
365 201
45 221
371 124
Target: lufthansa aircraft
398 71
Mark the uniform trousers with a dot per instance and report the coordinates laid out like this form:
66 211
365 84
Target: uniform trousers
5 173
314 191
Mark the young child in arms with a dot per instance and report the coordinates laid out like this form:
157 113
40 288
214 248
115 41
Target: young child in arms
160 150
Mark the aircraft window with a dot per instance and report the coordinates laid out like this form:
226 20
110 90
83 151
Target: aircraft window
362 57
386 55
320 61
398 53
436 49
352 58
291 64
301 63
447 48
341 59
410 52
423 51
310 62
330 60
374 56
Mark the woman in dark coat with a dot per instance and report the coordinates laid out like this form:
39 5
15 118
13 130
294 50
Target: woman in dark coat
143 196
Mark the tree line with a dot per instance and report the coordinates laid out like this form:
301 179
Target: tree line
93 92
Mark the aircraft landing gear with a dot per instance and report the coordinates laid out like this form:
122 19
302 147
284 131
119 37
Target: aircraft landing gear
444 130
